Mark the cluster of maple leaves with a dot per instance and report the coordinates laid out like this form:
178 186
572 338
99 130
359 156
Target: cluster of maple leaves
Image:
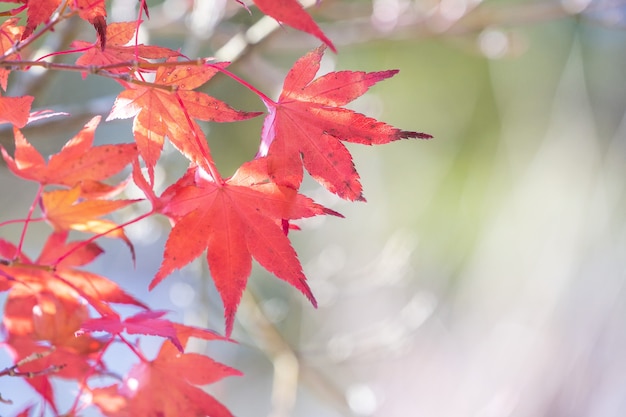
53 305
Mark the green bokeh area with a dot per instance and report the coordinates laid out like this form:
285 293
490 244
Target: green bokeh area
485 274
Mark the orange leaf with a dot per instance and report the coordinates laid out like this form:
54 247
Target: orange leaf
77 162
118 35
64 210
15 110
159 112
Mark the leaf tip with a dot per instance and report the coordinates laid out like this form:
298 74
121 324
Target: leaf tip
229 315
160 275
100 24
414 135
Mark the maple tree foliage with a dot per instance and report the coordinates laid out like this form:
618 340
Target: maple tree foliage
60 319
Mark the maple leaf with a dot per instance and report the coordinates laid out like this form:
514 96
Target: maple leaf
118 35
235 222
65 210
15 110
159 112
56 248
10 34
48 307
166 387
93 11
307 123
31 317
38 12
293 14
48 273
77 163
146 323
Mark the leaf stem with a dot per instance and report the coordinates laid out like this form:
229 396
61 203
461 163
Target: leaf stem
243 82
210 163
88 374
99 235
8 222
132 348
27 221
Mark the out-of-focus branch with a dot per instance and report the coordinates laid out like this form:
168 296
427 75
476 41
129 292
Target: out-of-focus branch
288 366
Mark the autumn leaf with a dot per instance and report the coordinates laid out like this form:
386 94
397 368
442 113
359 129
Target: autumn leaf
49 315
235 222
31 317
65 210
146 323
77 163
55 271
57 247
149 323
159 112
15 110
94 11
307 124
118 35
40 11
291 12
47 305
166 387
10 34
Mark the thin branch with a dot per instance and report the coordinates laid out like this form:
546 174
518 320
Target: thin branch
12 371
31 210
288 364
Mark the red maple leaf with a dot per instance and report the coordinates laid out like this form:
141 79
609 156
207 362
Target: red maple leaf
77 163
166 387
46 307
146 323
54 270
159 112
118 35
293 14
307 123
93 11
234 221
35 322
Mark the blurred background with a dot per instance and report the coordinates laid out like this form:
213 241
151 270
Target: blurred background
485 275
